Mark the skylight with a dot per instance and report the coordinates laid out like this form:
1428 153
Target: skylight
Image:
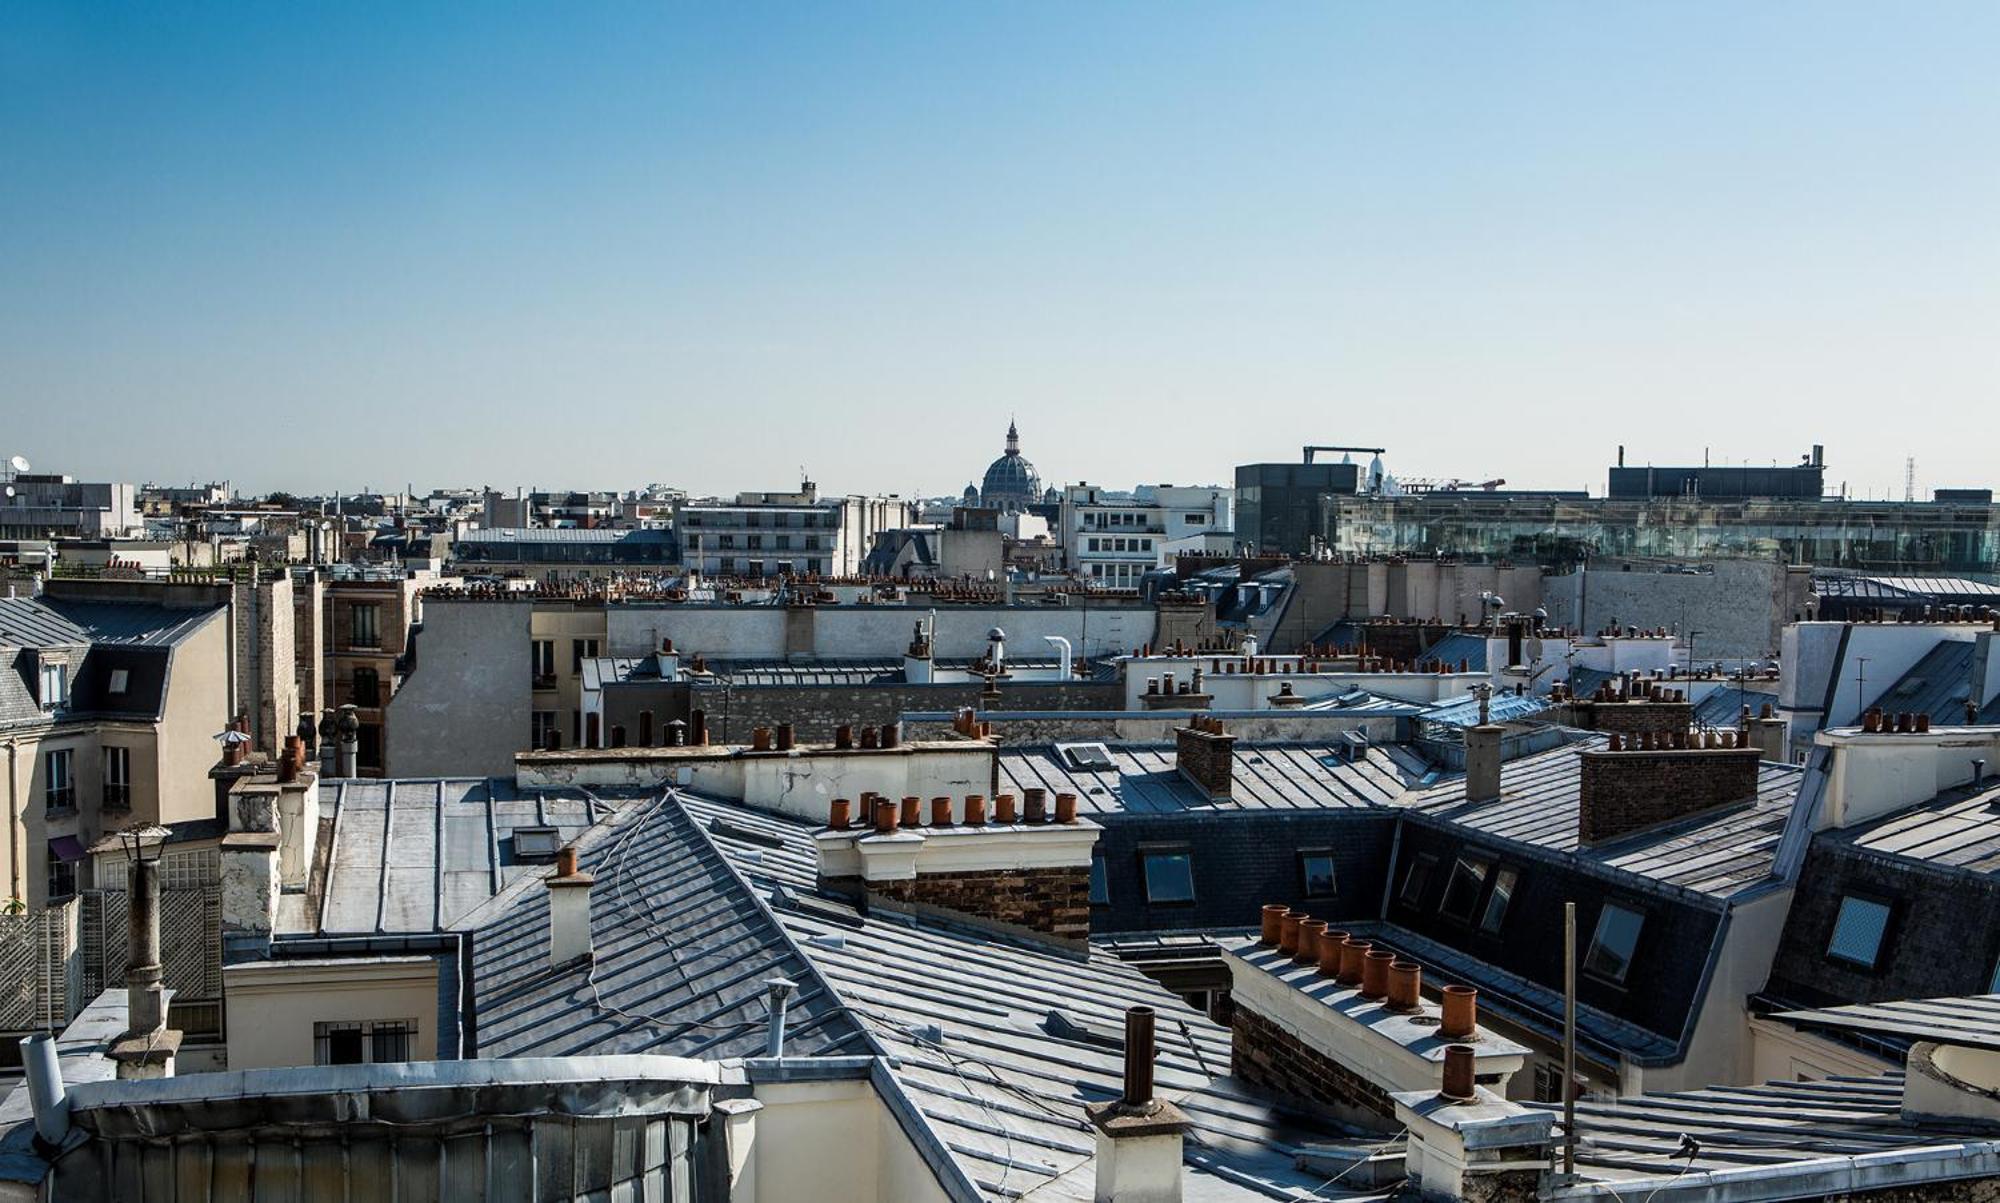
1086 758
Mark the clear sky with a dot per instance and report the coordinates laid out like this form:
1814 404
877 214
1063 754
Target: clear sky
363 244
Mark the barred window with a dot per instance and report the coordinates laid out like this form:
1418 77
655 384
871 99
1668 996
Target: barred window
353 1043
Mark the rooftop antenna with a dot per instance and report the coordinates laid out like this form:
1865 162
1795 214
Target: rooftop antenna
1909 478
16 465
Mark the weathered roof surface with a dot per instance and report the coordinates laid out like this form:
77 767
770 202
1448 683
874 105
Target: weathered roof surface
1741 1128
68 622
878 670
1464 712
1143 777
1722 708
28 622
417 856
1938 685
682 949
1719 853
1956 830
564 534
967 1015
1459 646
1973 1022
1897 588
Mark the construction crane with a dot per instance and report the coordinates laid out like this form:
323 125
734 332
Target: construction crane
1311 448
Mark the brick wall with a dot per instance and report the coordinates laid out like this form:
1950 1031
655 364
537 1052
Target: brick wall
1631 718
1262 1053
1206 759
1626 791
1055 902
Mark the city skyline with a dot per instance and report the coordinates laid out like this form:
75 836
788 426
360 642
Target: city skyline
707 246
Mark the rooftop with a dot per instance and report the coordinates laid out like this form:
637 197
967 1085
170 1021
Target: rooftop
1142 778
1955 830
1719 853
61 622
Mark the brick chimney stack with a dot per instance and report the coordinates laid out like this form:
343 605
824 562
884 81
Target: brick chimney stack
1648 780
1205 754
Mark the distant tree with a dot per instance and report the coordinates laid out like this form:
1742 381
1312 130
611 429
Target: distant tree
285 500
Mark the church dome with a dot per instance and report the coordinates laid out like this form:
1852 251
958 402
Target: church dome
1011 481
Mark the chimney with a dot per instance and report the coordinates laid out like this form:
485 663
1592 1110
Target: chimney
1482 762
1205 754
1625 789
347 731
1469 1143
569 910
1024 878
1138 1135
1347 1042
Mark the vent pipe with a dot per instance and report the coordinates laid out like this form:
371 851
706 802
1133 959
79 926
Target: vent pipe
1065 656
45 1088
778 996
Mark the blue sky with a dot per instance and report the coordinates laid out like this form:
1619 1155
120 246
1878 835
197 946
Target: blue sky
365 244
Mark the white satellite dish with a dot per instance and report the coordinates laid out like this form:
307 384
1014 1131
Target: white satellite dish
20 463
10 490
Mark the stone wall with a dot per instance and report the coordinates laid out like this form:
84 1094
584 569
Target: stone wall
1055 902
1262 1053
815 710
1623 792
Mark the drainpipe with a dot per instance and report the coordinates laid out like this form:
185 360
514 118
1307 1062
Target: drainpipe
16 836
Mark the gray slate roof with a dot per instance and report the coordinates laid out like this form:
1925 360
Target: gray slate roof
681 952
67 622
418 856
1955 830
1938 685
967 1016
1721 854
1634 1140
1972 1022
1279 776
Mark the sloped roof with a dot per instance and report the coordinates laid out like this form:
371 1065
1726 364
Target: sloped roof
1955 830
68 622
418 856
1720 853
681 952
1457 646
1971 1022
967 1017
1939 685
1143 777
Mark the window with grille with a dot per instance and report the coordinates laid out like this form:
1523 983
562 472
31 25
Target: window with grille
59 792
355 1043
1858 930
117 777
364 625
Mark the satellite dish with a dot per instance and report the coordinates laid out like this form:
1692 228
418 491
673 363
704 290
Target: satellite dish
20 463
10 490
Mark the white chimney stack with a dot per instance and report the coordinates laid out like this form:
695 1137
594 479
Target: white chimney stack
569 910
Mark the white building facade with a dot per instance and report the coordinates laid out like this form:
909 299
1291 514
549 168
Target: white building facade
1113 539
778 534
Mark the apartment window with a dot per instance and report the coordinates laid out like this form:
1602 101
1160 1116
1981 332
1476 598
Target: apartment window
364 625
1548 1083
725 541
726 564
1197 519
1169 876
540 724
812 542
1316 874
542 653
754 542
1417 880
117 777
62 879
1461 892
60 775
368 746
815 565
579 651
1613 943
1496 903
781 542
1993 982
55 685
367 687
121 679
1100 882
1858 930
694 542
357 1043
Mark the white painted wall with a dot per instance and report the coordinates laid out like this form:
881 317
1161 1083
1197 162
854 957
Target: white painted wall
835 1141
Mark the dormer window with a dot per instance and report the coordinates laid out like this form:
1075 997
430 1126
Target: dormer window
120 680
55 686
1613 943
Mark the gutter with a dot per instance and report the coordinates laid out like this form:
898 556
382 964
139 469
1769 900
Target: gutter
1910 1169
